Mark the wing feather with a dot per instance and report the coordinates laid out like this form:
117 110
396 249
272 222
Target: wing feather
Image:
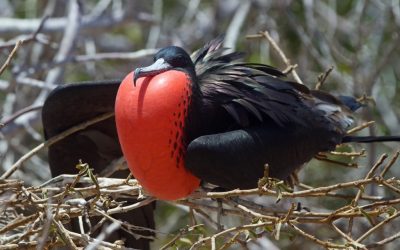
260 91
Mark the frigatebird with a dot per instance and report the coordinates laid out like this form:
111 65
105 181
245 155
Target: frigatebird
212 117
209 116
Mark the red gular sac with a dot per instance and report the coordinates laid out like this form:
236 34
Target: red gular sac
150 117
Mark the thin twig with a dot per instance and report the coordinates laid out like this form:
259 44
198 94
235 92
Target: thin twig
390 164
322 78
20 112
384 241
360 127
266 35
377 226
10 56
325 244
233 229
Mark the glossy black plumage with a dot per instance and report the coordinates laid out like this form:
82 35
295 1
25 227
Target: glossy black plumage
245 115
98 145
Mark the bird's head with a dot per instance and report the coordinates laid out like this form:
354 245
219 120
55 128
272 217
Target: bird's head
171 57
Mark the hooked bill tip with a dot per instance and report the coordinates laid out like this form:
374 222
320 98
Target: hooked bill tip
136 75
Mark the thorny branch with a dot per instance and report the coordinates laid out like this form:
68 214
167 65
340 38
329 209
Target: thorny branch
262 217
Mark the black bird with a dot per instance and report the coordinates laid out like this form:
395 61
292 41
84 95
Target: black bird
208 116
213 117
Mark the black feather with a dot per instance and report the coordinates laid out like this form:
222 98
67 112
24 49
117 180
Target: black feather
272 120
97 145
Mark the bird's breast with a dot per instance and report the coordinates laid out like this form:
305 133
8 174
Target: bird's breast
150 119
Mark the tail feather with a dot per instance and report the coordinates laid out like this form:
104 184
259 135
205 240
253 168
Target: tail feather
370 139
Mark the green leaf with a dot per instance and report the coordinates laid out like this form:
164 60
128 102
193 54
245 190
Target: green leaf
186 241
93 177
366 215
277 231
279 198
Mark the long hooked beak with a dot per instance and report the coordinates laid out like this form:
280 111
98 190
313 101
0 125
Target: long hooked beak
157 67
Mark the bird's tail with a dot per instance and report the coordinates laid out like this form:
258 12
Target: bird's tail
370 139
